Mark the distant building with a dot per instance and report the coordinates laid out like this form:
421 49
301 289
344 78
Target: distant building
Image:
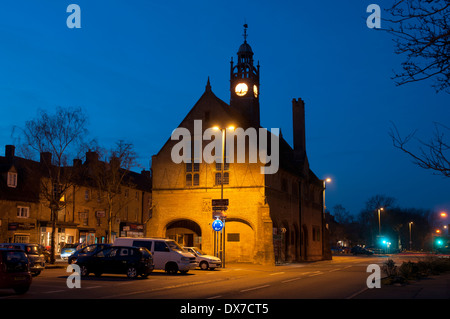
25 215
269 218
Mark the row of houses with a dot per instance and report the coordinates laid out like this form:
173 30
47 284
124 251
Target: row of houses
25 214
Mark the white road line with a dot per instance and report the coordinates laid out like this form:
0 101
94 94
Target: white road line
277 273
335 269
255 288
214 297
293 279
316 274
357 293
52 292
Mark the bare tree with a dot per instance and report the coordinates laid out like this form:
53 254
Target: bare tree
433 155
57 138
112 175
421 32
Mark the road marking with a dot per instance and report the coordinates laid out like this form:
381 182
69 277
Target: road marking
317 273
347 267
335 269
357 293
293 279
255 288
214 297
52 292
277 273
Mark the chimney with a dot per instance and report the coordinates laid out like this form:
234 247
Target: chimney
298 118
9 151
45 158
76 162
146 173
91 157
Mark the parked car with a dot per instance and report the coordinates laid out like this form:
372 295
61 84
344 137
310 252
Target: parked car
358 250
167 254
204 261
34 253
87 251
132 261
14 270
68 250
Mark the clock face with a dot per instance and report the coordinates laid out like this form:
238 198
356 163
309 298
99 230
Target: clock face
255 90
241 89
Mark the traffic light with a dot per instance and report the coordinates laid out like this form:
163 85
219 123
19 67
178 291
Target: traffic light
439 242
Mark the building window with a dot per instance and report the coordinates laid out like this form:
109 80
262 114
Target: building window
87 194
226 166
22 239
12 179
226 175
188 179
84 217
192 175
23 212
226 178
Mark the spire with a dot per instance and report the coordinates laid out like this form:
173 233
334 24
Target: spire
208 86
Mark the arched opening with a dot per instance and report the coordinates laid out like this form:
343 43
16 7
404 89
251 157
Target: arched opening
240 241
185 232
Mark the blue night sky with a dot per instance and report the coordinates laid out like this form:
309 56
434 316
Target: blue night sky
137 68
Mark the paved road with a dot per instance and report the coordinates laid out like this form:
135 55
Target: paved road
340 278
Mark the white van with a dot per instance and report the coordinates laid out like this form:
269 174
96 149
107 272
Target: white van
167 254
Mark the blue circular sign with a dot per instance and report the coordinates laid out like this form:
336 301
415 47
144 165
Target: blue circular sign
217 225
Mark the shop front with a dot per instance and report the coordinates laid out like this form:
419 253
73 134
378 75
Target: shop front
131 230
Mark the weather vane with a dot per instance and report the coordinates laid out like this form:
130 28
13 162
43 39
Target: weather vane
245 32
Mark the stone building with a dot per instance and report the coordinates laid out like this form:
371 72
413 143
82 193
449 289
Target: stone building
269 218
25 214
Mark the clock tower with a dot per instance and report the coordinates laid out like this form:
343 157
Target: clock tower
244 84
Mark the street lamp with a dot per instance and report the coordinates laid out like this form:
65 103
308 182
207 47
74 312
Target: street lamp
379 220
410 241
325 181
223 129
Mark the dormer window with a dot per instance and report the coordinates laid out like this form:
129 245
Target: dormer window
12 179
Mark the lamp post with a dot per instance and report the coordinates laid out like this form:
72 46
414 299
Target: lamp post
222 244
410 241
379 220
327 180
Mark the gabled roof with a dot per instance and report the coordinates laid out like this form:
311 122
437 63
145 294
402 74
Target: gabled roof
210 101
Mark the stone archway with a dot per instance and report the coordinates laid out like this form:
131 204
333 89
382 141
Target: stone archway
186 232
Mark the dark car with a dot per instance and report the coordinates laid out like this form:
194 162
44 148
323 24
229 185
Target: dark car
358 250
34 254
87 251
14 270
132 261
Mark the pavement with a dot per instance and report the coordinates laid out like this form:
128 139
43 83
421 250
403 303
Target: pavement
432 287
